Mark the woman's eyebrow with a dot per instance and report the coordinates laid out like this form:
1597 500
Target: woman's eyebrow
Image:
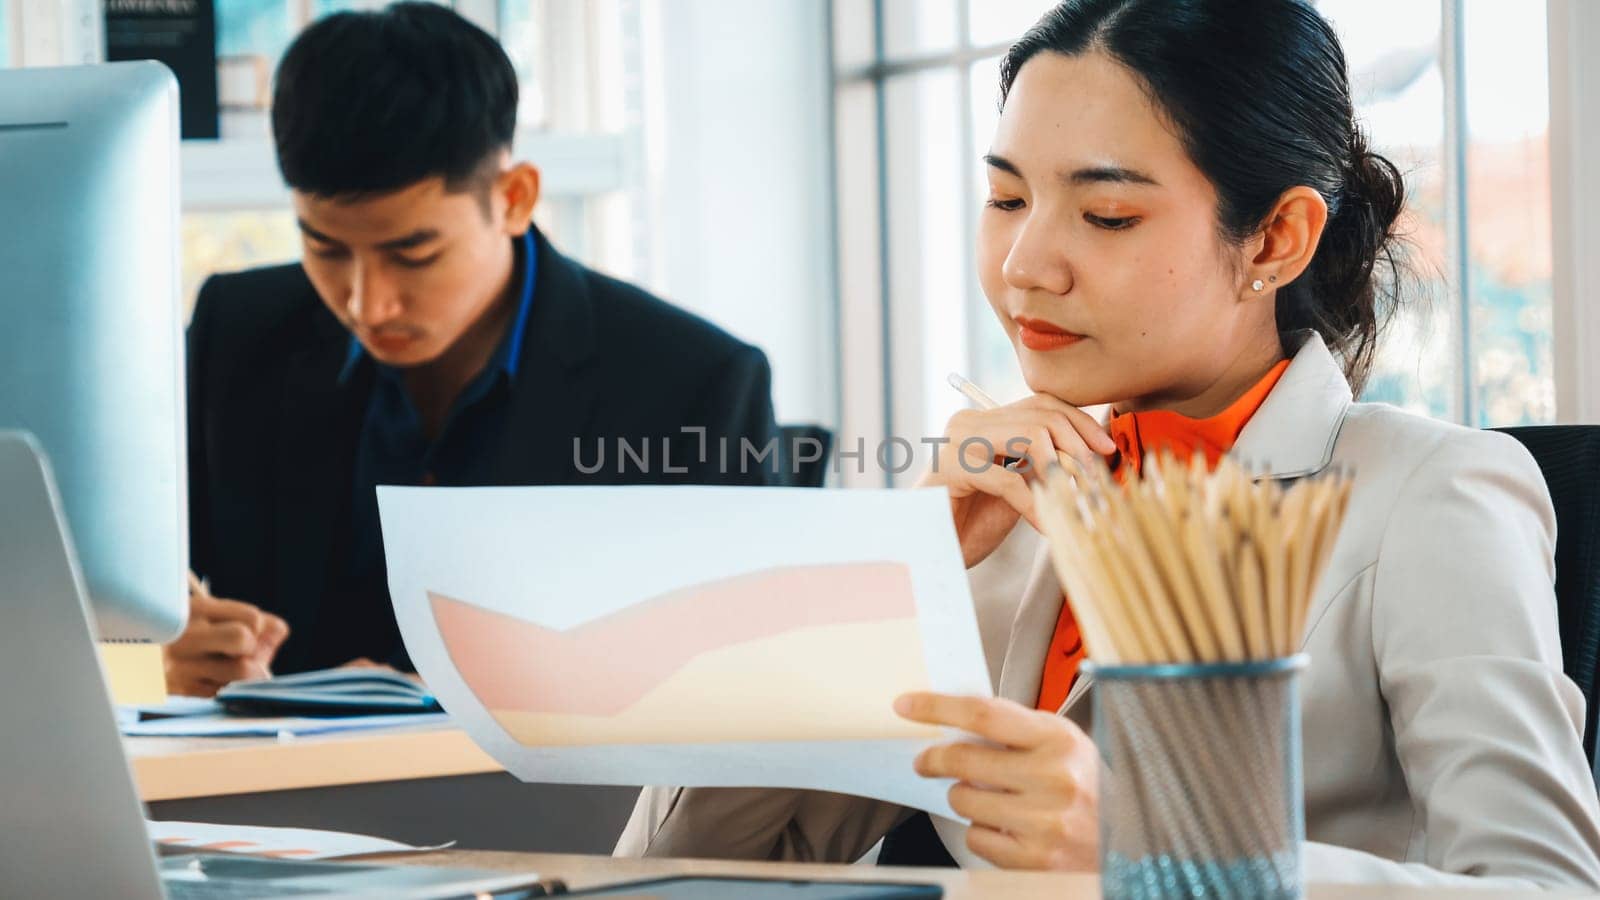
1077 177
995 161
1108 174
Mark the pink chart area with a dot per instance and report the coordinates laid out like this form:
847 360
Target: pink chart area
603 667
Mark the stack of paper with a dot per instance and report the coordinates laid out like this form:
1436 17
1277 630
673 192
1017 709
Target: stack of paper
284 843
276 726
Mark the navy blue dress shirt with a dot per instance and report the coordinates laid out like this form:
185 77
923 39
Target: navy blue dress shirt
393 449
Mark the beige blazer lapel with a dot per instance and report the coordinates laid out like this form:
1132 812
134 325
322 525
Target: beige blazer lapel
1293 433
1031 631
1291 436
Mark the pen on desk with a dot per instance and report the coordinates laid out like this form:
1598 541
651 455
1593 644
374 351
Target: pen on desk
982 400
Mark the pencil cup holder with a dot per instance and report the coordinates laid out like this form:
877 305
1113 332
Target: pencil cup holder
1200 790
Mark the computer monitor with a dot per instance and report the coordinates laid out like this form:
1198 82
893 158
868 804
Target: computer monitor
91 334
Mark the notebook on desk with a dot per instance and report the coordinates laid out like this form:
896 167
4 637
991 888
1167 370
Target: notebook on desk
329 692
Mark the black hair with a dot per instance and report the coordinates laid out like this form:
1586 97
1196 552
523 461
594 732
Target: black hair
370 102
1259 94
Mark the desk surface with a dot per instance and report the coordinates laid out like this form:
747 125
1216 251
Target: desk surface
590 871
181 768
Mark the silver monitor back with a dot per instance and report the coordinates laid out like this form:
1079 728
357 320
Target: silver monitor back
91 334
68 808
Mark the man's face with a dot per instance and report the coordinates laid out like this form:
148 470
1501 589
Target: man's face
409 272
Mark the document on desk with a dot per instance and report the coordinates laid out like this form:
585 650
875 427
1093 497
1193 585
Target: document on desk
696 636
281 843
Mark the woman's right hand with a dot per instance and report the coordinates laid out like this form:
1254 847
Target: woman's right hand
986 498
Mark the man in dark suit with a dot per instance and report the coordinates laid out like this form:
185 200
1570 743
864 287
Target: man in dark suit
431 335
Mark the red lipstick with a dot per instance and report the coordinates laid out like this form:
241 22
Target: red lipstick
1040 335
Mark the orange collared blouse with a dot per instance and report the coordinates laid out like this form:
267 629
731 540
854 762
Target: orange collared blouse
1135 435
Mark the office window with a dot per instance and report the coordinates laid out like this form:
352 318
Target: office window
1398 86
573 61
1452 90
228 241
1457 93
1508 222
922 78
912 28
1000 22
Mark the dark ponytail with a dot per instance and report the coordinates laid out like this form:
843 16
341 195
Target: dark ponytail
1259 93
1350 289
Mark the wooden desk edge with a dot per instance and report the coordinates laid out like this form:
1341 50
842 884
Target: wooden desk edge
217 769
581 872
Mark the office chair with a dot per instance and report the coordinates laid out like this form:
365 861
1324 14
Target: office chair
1569 457
795 472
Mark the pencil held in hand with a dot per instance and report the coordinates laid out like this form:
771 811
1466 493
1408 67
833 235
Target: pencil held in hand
1183 565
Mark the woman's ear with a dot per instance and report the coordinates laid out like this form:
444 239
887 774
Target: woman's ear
518 186
1288 238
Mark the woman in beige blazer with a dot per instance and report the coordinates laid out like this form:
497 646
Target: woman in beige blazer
1179 200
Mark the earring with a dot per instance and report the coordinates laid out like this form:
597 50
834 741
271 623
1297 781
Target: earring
1272 278
1256 285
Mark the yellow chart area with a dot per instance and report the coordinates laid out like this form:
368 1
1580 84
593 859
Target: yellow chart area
825 682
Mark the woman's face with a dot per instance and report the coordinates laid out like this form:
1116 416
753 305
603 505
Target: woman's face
1099 247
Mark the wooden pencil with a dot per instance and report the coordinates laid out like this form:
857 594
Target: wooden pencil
1195 564
1190 563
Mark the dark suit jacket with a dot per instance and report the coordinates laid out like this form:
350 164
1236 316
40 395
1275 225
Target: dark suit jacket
272 432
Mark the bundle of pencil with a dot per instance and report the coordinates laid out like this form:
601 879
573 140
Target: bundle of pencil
1185 565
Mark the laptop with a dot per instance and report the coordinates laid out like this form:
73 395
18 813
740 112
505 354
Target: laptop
72 822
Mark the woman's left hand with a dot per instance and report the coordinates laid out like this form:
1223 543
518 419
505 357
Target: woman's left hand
1033 798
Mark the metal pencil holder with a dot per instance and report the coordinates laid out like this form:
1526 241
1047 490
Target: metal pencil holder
1200 784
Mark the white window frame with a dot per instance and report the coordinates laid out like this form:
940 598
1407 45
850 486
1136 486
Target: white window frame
1575 194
